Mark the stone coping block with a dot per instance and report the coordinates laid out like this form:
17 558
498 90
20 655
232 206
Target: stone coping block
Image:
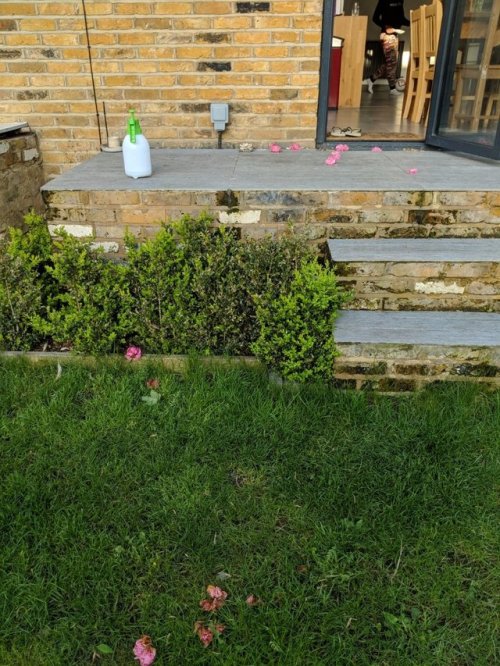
415 250
478 329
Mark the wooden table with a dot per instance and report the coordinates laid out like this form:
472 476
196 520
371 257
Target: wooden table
352 29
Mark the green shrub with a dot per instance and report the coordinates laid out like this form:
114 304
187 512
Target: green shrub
296 327
25 285
90 312
193 287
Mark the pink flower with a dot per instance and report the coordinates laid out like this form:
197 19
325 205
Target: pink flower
336 154
295 146
275 148
133 353
376 149
204 634
144 652
342 147
208 606
331 159
216 592
412 172
153 384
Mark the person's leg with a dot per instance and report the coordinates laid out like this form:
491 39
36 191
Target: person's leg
390 45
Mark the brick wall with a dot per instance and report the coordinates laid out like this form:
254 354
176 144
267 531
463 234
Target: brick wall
168 60
20 179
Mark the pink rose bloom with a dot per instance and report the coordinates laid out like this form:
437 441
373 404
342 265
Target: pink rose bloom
331 159
275 148
133 353
295 146
412 172
376 149
144 652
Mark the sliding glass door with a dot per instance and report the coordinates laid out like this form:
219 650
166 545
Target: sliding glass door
465 106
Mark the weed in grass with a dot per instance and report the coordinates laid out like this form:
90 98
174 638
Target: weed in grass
366 528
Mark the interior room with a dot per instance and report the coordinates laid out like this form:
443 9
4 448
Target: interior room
356 54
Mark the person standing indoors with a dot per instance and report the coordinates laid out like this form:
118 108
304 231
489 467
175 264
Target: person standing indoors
389 15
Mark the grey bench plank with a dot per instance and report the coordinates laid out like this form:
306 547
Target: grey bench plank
416 250
481 329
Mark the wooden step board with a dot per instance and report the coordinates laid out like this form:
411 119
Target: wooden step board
420 274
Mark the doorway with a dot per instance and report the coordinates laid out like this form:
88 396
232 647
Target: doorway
374 112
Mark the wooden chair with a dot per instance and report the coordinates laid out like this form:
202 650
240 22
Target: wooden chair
433 18
476 101
414 100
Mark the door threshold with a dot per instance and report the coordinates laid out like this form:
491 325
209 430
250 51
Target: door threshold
367 144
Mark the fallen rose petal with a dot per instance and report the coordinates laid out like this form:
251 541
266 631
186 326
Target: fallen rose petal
144 652
208 606
330 160
153 383
412 172
376 149
216 592
342 147
275 148
133 353
252 600
336 154
204 634
295 146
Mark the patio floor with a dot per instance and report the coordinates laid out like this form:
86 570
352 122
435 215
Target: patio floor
357 170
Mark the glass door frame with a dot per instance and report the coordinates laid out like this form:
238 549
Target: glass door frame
443 86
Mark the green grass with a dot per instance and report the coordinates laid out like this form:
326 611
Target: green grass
366 525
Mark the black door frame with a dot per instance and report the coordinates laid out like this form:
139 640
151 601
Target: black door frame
443 81
324 82
443 86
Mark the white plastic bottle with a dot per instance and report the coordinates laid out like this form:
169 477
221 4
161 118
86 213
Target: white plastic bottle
135 148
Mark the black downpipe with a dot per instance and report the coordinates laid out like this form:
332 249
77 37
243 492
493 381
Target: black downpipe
92 72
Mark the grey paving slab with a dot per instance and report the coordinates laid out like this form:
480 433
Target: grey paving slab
477 329
214 170
11 127
416 250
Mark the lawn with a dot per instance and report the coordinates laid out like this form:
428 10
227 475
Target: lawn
365 525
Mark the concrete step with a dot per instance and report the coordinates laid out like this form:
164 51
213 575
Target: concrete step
420 274
449 250
402 351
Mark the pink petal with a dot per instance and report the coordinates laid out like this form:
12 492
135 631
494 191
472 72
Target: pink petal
275 148
336 154
252 600
376 149
207 605
412 172
295 146
144 652
216 592
342 147
153 384
330 160
133 353
204 634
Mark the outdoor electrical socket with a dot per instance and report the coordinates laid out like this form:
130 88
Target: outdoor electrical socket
219 113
